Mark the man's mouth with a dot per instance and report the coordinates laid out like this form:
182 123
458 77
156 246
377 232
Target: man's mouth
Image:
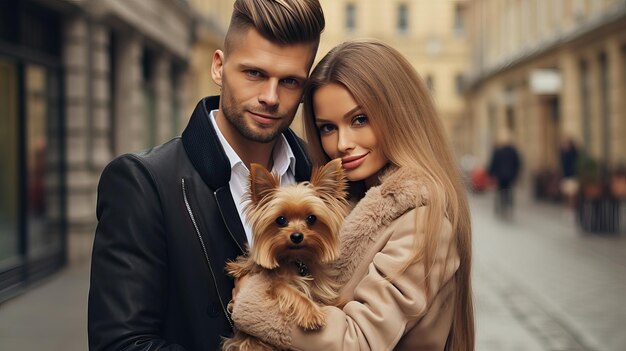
262 118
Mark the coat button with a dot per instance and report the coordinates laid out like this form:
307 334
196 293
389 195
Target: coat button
213 310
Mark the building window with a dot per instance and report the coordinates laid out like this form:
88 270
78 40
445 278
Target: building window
175 78
149 99
43 183
430 83
459 82
350 17
578 9
32 197
459 20
113 71
606 107
9 163
585 89
510 118
403 18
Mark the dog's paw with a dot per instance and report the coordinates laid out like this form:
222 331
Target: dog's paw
312 319
239 268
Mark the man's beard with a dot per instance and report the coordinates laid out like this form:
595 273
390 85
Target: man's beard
234 114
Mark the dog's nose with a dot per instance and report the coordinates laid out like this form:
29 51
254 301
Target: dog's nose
296 238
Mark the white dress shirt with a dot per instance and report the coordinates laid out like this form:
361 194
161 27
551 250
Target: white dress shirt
284 166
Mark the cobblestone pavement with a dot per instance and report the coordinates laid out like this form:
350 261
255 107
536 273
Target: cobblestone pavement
562 286
539 285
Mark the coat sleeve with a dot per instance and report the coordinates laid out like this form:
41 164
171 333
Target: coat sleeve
127 295
384 303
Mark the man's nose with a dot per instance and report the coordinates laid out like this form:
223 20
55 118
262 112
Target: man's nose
269 94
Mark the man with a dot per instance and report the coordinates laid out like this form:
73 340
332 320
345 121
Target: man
504 167
170 217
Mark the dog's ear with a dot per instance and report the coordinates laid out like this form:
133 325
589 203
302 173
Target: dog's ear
330 179
262 182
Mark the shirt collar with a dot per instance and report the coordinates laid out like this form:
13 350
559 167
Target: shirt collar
284 158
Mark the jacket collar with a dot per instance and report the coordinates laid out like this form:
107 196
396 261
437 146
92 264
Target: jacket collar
208 157
400 190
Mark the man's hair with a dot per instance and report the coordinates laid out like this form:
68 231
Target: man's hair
280 21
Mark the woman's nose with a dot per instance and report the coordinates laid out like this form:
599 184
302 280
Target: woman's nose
345 141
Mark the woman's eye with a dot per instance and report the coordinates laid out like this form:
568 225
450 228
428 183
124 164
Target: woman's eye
326 128
359 120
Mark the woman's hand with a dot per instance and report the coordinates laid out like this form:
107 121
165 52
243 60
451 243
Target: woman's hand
239 282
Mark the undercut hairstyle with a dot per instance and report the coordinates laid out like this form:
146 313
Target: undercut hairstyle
284 22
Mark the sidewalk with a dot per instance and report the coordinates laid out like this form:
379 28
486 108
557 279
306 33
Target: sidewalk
562 285
51 316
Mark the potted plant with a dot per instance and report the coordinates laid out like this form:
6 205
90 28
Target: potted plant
589 175
617 182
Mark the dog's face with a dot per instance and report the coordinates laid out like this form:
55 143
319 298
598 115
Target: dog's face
301 221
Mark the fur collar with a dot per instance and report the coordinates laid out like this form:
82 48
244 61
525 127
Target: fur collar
401 190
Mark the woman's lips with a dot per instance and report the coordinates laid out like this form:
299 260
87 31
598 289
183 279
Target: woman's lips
352 162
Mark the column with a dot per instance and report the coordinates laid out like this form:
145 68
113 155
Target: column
571 114
617 123
100 97
595 104
129 115
164 98
80 186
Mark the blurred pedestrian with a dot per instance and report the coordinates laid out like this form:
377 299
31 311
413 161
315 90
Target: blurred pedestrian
504 167
569 182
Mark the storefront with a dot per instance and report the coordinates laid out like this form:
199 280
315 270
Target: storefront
32 182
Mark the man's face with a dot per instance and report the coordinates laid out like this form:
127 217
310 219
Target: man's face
261 85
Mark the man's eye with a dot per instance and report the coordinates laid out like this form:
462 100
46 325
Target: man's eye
291 82
359 120
326 128
253 73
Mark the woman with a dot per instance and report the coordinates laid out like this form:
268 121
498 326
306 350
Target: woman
405 258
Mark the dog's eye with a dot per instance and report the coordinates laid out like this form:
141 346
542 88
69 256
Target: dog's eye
310 220
281 221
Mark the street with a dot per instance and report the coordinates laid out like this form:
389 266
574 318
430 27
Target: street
563 287
539 285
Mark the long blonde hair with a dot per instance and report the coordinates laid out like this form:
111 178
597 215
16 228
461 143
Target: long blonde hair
402 114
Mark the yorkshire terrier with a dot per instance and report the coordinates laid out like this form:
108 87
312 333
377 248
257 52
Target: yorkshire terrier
295 235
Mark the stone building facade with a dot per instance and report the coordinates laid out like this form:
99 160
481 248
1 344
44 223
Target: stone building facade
546 71
81 81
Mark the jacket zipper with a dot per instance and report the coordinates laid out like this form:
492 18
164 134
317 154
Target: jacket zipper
206 255
227 228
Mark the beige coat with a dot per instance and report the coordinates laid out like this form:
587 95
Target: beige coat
384 310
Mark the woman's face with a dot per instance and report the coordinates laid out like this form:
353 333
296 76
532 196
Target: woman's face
346 133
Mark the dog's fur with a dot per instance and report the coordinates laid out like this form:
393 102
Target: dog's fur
312 212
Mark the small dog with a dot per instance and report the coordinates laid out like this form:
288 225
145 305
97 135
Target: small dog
295 232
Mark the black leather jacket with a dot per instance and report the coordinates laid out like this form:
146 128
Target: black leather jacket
167 224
